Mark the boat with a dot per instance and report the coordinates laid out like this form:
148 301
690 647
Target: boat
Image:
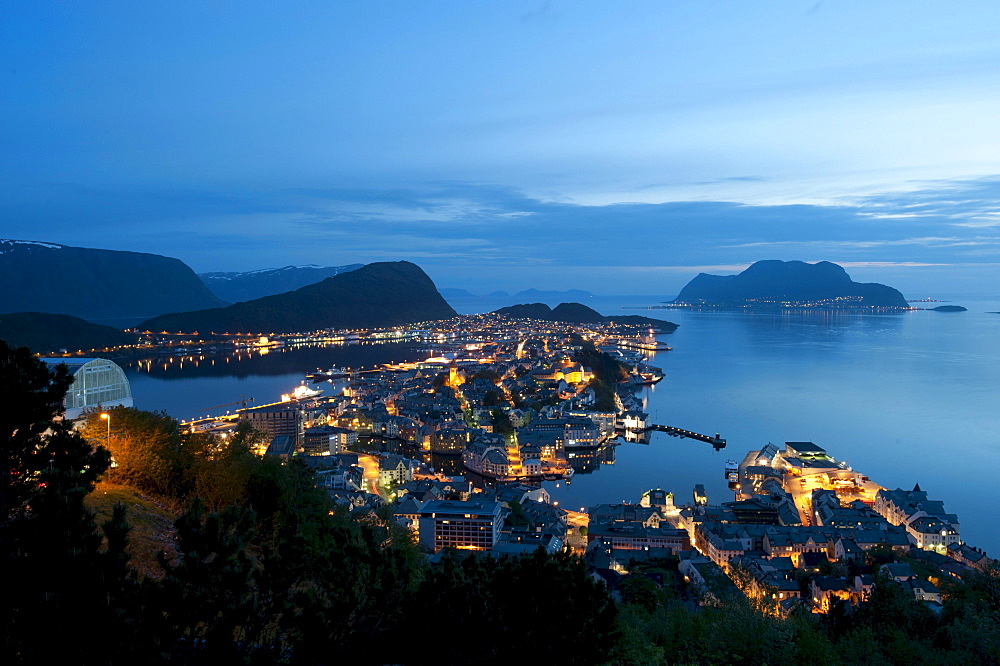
301 392
325 375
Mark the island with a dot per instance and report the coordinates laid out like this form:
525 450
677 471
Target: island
774 284
949 308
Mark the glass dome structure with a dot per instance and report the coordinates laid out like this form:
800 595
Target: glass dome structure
97 384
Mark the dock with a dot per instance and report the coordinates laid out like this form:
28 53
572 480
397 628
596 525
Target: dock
717 442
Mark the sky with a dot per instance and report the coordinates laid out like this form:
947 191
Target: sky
618 147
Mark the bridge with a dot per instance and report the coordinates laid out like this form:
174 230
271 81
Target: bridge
718 443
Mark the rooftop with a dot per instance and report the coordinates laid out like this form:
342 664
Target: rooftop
461 508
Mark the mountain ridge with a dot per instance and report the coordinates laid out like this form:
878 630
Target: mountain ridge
378 295
96 284
239 286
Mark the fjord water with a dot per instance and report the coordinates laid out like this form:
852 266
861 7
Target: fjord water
904 398
190 385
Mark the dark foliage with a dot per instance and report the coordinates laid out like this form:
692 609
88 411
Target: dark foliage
531 609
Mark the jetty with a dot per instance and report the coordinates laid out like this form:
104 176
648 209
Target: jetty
717 442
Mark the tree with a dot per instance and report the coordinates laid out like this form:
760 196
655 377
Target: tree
56 582
147 449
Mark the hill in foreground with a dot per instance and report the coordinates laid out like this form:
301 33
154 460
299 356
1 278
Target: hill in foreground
772 283
152 524
378 295
97 285
246 286
44 332
577 313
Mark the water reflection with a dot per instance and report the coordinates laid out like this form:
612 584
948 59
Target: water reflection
246 362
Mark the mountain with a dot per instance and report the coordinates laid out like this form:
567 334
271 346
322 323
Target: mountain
374 296
575 313
96 284
527 311
451 292
237 287
535 294
44 332
770 283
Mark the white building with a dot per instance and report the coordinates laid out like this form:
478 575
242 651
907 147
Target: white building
97 384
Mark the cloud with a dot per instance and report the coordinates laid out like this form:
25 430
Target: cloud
888 264
496 237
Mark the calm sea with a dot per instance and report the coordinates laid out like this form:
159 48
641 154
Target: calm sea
905 398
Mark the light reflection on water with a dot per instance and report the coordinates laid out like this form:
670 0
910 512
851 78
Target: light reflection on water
185 385
904 398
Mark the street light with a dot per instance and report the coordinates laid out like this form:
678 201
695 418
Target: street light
107 417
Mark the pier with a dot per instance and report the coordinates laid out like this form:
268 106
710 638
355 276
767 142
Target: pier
718 443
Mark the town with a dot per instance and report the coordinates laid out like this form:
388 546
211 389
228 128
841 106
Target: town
504 405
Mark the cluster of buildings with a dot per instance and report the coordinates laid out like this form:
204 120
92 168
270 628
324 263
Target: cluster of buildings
508 399
511 405
803 526
515 406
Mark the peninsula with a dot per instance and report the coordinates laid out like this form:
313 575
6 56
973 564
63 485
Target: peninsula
577 313
776 284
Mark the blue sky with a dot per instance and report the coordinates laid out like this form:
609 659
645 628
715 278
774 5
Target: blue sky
619 147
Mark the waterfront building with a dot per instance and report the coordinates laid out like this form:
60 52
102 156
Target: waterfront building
570 432
487 455
394 470
699 495
450 440
605 421
462 525
969 556
924 519
97 384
